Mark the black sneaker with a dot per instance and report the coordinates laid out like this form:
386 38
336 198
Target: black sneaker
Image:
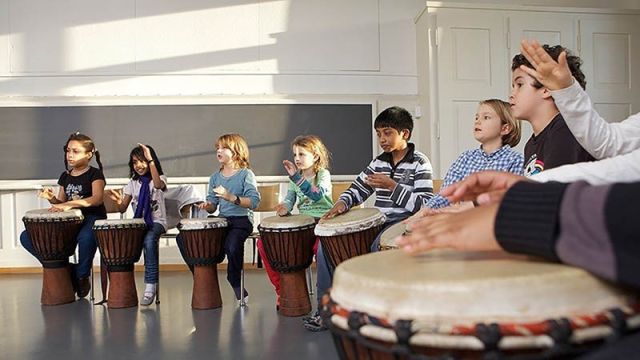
315 324
84 285
311 316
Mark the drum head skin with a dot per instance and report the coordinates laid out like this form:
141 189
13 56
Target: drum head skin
388 237
287 222
445 288
46 215
201 224
118 223
352 221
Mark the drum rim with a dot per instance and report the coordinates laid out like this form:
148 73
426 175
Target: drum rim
308 220
69 215
216 222
333 229
585 327
107 224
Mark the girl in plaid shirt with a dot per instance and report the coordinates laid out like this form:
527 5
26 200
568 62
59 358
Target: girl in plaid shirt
498 132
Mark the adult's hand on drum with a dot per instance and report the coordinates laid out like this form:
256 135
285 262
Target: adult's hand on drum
380 181
467 230
340 207
46 193
486 187
289 167
553 75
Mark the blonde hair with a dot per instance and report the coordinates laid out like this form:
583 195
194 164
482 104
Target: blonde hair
314 145
503 109
238 146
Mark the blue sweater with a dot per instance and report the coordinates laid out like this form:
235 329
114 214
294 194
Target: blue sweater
242 184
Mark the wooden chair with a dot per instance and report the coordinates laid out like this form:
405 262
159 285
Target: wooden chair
437 184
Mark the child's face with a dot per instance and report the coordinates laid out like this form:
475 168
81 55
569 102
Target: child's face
488 126
76 155
224 155
140 166
391 139
303 158
524 98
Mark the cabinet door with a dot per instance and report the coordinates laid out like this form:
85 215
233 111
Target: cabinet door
471 61
610 47
547 28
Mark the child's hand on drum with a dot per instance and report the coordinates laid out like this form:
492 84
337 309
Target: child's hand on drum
380 181
471 230
339 208
289 167
203 205
46 193
60 207
485 187
281 210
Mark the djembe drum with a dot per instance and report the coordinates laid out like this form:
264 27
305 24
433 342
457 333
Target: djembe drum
389 235
54 238
120 243
350 234
288 244
446 304
203 251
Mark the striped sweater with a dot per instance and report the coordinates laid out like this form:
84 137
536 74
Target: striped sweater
414 185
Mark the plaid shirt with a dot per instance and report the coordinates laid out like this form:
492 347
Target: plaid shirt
470 161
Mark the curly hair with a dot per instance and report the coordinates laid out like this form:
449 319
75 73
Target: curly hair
238 146
314 145
573 61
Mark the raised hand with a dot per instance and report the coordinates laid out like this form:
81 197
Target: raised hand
47 194
553 75
146 152
289 167
380 181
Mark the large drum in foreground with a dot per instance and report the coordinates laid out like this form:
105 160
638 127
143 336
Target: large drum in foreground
120 243
350 234
388 305
54 238
203 251
288 244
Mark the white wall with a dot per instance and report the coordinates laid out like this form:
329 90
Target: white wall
199 47
608 4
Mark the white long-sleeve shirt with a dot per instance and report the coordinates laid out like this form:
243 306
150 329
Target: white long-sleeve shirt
617 143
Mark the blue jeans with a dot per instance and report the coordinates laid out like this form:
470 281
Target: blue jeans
87 245
324 274
151 260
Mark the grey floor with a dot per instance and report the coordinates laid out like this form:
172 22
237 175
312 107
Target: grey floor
168 331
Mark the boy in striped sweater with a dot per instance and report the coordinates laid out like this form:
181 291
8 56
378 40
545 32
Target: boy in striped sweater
400 177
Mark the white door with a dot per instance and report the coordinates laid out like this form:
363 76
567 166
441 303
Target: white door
610 46
471 56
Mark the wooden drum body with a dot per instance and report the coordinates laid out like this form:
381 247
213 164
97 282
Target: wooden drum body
445 304
120 243
54 238
204 250
288 244
350 234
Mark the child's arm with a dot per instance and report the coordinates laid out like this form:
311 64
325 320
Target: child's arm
250 197
158 183
413 199
97 191
454 174
359 191
47 193
290 199
121 202
314 193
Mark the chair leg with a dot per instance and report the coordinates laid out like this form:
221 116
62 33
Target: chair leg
92 296
310 281
242 302
158 283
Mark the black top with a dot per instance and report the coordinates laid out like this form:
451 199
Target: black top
554 146
79 187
